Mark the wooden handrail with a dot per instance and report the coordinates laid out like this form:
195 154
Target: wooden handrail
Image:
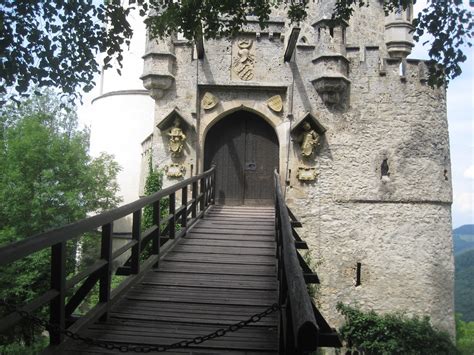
101 271
303 335
20 249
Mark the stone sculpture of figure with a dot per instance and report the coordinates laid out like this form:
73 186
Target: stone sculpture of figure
177 139
309 140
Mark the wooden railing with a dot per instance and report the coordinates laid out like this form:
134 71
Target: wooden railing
65 295
302 327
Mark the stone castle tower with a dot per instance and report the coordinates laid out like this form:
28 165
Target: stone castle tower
359 138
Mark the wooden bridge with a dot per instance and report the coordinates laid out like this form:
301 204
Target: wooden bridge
206 279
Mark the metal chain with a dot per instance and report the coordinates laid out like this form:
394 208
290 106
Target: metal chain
139 348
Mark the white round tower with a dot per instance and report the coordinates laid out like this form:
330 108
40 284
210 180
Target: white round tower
121 116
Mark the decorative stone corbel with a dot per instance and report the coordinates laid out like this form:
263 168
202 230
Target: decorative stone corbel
158 70
331 88
175 170
306 173
157 84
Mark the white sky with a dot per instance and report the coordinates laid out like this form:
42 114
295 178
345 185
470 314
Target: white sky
461 132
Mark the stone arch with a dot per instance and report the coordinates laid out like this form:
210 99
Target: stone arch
246 149
210 120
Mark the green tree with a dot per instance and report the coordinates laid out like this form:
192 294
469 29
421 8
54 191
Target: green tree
54 44
464 336
153 183
393 333
47 180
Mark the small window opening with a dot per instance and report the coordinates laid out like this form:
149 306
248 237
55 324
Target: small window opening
358 273
402 69
303 40
343 35
331 31
319 33
409 12
384 169
446 175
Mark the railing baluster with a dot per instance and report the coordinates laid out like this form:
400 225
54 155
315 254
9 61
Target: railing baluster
208 190
136 235
106 273
155 247
184 202
202 190
172 215
213 186
58 283
194 197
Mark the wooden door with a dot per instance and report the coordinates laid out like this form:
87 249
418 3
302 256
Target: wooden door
245 149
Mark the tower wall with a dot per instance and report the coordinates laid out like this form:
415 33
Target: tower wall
121 117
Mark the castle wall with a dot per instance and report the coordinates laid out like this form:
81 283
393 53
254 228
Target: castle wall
382 195
396 226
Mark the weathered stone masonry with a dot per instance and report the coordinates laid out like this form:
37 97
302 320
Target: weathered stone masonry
379 190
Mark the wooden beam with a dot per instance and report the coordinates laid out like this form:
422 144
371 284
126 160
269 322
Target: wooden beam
290 46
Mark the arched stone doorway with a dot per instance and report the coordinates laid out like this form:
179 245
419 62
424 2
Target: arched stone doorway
245 149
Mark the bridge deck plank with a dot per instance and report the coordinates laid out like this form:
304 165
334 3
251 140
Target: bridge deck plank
222 272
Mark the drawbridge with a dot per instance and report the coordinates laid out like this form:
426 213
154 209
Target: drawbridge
202 279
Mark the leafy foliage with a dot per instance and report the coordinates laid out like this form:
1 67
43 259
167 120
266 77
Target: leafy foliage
464 336
392 333
464 285
19 349
54 44
153 183
48 180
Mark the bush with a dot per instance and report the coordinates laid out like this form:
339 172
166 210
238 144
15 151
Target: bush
394 333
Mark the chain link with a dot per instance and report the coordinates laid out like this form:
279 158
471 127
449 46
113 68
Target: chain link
139 348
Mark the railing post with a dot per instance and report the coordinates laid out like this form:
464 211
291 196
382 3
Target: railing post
172 215
208 190
155 247
213 185
136 235
194 197
58 283
184 202
202 190
106 273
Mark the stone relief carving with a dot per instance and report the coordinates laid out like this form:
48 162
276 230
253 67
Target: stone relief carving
306 173
309 140
275 103
209 101
243 64
177 139
175 170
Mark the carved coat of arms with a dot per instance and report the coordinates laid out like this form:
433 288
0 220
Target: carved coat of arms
243 63
209 101
275 103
